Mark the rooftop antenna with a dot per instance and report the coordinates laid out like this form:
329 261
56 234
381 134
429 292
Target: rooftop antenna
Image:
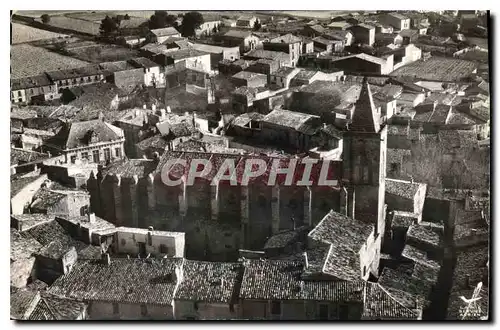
471 304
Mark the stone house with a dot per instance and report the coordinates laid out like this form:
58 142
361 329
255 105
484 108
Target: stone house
280 57
323 45
90 141
144 242
32 89
289 128
218 53
193 59
288 44
399 21
151 71
246 21
123 289
363 34
246 40
160 35
87 75
249 79
216 298
53 260
123 74
405 196
283 76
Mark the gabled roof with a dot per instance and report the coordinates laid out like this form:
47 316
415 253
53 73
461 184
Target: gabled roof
168 31
134 281
78 134
211 282
365 118
379 304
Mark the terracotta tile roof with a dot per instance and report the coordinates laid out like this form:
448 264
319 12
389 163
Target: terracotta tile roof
21 156
336 228
30 220
419 257
168 31
133 281
283 239
127 168
78 134
403 287
287 118
379 304
21 303
54 308
418 233
343 263
22 245
214 282
403 219
53 232
406 189
271 280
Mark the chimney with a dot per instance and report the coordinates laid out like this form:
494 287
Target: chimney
150 235
186 113
91 217
162 113
144 107
153 107
306 260
106 259
168 109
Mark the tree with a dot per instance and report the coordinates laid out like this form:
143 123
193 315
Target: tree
108 26
215 30
45 18
191 22
126 17
257 25
161 19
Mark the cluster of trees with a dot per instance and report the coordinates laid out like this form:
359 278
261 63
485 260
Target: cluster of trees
160 19
190 22
257 25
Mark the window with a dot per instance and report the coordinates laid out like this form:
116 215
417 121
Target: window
122 241
344 312
144 310
195 305
95 156
115 308
97 77
19 100
118 152
262 201
364 270
107 154
81 80
276 308
163 249
323 312
73 159
85 155
74 81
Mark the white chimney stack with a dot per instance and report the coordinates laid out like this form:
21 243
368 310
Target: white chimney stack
168 109
306 260
153 107
144 107
91 217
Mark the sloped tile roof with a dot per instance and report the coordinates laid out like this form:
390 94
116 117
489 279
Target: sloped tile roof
133 281
214 282
379 304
